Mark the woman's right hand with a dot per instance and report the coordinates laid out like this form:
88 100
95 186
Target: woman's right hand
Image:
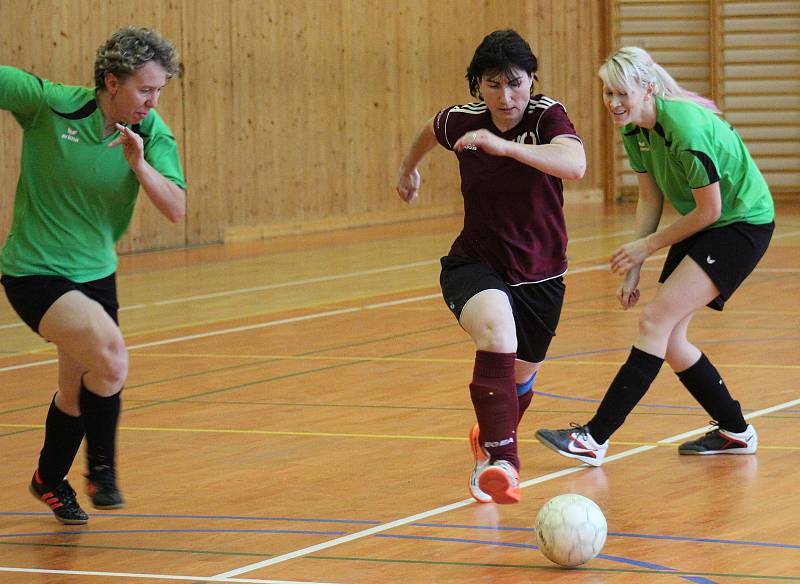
628 292
408 184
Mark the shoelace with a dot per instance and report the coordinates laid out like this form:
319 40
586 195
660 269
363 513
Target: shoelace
579 430
66 494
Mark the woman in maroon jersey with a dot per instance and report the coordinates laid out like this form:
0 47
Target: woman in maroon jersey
502 278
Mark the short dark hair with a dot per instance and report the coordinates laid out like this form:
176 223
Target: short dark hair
499 52
131 47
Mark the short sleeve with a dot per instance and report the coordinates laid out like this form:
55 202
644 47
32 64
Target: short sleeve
21 93
440 128
161 151
630 140
555 123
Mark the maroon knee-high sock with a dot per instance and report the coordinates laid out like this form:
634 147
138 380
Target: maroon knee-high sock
494 397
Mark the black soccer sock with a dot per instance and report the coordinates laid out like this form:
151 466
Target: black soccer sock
628 388
706 386
62 438
100 417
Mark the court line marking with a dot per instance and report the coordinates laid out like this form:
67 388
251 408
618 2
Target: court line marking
271 323
420 263
457 505
298 434
154 576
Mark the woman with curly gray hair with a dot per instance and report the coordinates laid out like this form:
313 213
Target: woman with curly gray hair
85 154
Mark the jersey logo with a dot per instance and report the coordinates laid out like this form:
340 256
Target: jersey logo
71 135
526 138
644 146
710 260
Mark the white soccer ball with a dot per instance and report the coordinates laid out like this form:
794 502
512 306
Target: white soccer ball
571 530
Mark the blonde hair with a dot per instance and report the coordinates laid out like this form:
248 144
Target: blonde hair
634 67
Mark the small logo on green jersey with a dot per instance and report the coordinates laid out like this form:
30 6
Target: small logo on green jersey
71 135
644 146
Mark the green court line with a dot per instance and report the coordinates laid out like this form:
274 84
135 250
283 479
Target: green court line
544 567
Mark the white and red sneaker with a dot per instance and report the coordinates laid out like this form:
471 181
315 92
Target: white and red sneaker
481 462
500 480
574 442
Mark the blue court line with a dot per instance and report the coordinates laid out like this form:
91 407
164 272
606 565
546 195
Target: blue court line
639 405
790 546
623 534
597 401
354 522
619 559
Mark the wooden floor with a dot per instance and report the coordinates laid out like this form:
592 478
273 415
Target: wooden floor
297 411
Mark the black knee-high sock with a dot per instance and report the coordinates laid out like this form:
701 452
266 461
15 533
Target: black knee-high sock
706 386
62 438
100 416
628 388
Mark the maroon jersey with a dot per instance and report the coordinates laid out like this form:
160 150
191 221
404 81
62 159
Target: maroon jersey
513 213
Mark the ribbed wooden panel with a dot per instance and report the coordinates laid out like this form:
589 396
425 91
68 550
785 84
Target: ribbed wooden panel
676 34
57 41
745 54
294 116
761 64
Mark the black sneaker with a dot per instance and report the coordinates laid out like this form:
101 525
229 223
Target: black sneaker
719 441
102 488
60 499
574 442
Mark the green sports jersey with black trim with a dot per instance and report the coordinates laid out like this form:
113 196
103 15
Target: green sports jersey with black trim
75 195
691 147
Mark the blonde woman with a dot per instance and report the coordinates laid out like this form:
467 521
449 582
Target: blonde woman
683 151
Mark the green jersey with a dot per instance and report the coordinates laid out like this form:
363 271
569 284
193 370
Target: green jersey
691 147
75 195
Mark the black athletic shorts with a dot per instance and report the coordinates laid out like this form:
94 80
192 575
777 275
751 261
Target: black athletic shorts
536 307
727 254
32 296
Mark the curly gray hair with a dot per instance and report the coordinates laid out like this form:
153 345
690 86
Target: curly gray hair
131 47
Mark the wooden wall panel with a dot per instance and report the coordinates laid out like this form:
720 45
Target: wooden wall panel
293 116
58 40
745 54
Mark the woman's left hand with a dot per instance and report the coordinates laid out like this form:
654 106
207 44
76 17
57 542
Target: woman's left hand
132 145
629 255
483 140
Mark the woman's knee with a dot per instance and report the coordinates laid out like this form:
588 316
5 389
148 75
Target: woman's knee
655 322
496 337
110 369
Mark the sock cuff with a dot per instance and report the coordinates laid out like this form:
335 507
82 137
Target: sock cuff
645 362
699 365
90 399
494 365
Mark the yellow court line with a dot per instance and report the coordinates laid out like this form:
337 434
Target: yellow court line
342 435
418 359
